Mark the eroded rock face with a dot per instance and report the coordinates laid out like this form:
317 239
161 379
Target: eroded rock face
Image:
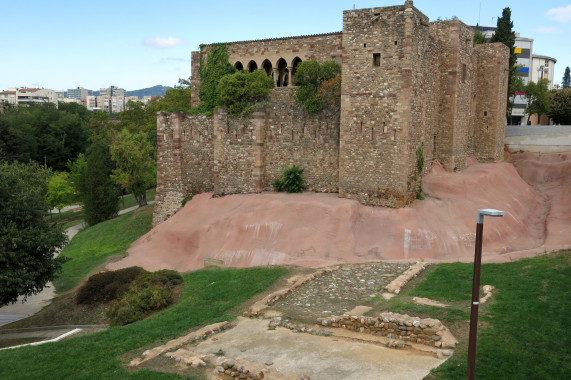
320 229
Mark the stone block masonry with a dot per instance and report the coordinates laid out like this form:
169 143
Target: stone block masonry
409 86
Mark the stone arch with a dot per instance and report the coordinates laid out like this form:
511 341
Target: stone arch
296 61
283 73
267 67
252 66
238 65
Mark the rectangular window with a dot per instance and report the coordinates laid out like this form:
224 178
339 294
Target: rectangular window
377 59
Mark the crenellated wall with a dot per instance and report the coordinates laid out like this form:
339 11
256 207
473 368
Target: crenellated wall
408 86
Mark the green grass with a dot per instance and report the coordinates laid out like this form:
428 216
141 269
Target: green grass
92 246
74 217
523 331
210 296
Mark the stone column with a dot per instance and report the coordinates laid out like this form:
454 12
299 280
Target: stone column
276 73
289 76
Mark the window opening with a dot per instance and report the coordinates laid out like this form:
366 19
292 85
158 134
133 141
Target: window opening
377 59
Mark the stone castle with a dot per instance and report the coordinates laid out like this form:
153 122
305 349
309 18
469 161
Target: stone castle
409 87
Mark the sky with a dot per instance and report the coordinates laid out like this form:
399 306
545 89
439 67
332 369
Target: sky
135 44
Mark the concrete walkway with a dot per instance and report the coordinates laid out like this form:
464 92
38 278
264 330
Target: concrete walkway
35 303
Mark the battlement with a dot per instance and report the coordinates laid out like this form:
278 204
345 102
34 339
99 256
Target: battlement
410 88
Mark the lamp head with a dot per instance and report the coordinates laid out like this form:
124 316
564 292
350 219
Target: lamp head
489 212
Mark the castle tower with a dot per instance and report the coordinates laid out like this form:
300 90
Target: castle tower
380 134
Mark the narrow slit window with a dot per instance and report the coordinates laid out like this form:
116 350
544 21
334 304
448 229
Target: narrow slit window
463 73
376 59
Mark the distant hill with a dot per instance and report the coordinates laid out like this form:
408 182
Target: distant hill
151 91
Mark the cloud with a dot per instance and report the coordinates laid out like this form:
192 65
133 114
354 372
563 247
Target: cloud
162 42
550 30
163 61
562 14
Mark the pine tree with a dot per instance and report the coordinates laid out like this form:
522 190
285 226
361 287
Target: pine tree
505 34
566 83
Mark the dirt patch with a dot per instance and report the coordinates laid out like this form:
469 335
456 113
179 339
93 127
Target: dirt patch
317 230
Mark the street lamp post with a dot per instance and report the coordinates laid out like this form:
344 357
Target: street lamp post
476 288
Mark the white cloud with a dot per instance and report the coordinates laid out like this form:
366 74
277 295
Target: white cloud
562 14
550 30
162 42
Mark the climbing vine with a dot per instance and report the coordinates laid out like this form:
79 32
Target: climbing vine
318 84
211 71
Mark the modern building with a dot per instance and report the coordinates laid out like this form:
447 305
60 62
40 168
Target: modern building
27 96
533 68
9 97
78 93
112 91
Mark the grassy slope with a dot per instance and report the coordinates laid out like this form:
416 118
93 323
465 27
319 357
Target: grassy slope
91 247
523 330
209 296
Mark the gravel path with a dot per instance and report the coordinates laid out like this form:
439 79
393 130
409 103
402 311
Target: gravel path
339 291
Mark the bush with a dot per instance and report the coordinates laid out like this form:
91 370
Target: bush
291 181
150 292
107 286
316 87
241 91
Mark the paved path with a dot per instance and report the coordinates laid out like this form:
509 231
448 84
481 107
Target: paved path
35 303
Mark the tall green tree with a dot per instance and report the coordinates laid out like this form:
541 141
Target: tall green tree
538 101
566 82
136 164
60 191
560 106
505 34
99 195
27 241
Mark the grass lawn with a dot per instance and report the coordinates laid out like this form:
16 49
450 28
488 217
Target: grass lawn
524 329
210 295
92 246
76 216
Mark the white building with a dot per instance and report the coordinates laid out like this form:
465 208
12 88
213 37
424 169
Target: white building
533 68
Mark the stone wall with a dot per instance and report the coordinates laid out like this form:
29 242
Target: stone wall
374 162
395 326
185 160
308 141
491 88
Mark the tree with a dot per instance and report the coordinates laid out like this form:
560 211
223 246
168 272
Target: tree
310 76
505 34
537 95
478 36
560 104
99 195
566 82
60 191
239 92
136 164
216 66
27 241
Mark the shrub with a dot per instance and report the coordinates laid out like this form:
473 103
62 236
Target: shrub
316 87
107 286
186 199
241 91
150 292
291 181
